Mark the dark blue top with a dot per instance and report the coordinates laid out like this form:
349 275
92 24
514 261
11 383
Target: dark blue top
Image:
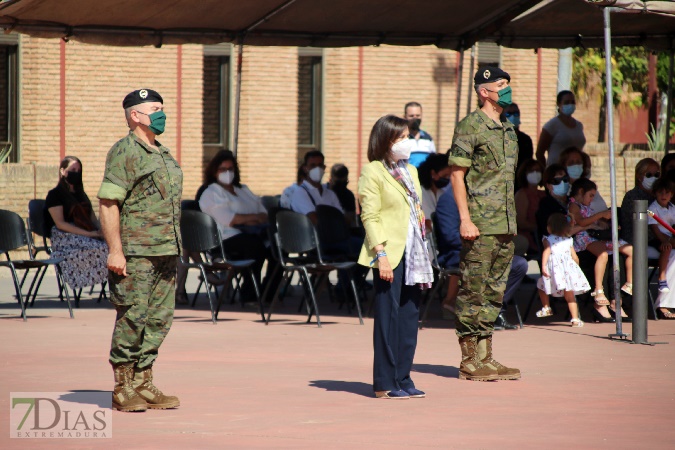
446 226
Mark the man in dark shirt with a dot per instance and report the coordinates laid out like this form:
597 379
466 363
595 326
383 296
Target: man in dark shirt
339 179
525 147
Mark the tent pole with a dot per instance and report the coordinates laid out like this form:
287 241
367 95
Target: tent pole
473 66
669 107
237 97
612 174
460 70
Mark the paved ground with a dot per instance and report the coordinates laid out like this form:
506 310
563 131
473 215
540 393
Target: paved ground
291 385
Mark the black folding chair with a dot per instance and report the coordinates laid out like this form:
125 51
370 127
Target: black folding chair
13 236
270 201
332 229
443 274
189 205
200 234
296 235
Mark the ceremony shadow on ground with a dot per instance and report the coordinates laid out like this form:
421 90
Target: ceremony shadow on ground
76 396
438 370
353 387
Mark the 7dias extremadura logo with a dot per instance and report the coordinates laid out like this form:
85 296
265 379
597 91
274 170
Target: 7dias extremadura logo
60 415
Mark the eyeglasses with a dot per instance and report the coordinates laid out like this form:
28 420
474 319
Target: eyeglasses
650 175
557 180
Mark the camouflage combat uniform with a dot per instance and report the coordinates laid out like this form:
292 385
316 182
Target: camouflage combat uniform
147 185
490 152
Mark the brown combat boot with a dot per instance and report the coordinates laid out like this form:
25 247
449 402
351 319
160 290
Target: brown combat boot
124 396
485 356
150 393
471 367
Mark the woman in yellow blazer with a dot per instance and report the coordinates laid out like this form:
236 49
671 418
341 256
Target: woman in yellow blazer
395 246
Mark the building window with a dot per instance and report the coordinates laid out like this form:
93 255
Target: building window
309 101
9 128
216 101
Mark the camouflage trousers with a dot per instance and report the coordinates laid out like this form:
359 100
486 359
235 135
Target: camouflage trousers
484 264
144 301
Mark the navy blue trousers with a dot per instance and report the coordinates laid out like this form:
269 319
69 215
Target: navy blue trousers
395 331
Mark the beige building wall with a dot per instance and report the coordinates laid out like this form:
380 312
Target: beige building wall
379 79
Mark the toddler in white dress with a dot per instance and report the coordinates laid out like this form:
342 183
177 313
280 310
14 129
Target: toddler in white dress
561 274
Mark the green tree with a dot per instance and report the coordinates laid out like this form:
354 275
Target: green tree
630 76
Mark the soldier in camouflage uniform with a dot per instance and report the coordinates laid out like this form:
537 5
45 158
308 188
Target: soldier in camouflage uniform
483 158
140 217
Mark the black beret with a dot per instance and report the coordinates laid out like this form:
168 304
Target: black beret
488 74
141 96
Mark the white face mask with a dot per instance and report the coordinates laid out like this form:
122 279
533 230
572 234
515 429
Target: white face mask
648 182
316 174
534 177
401 149
226 177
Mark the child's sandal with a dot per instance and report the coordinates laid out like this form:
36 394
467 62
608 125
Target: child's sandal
544 312
576 323
600 298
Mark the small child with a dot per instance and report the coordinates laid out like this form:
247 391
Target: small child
561 274
582 194
663 190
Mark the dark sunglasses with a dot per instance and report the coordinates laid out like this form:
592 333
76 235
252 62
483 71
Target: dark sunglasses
650 175
557 180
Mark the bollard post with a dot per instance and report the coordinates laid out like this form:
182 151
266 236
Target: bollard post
640 272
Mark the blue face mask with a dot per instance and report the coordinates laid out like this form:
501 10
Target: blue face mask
514 118
575 171
568 110
561 188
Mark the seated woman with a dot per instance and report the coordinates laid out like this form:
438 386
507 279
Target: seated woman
240 215
74 230
577 163
527 200
647 171
556 182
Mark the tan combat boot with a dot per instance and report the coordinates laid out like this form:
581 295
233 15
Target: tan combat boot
150 393
471 367
485 356
124 396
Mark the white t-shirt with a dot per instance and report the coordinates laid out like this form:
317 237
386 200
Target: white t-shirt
287 195
667 214
219 203
563 137
301 202
423 145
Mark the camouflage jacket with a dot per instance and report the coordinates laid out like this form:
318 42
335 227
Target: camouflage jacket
147 186
490 152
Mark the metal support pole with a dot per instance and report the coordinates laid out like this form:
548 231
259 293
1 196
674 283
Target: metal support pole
460 71
640 272
473 67
616 291
669 109
237 97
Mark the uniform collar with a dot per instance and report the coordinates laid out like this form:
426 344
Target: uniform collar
491 124
145 146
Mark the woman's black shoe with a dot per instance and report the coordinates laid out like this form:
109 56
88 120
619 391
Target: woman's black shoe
600 318
613 314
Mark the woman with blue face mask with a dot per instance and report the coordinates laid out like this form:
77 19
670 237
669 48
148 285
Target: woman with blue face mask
578 165
561 132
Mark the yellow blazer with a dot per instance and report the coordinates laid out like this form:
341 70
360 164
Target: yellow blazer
385 212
